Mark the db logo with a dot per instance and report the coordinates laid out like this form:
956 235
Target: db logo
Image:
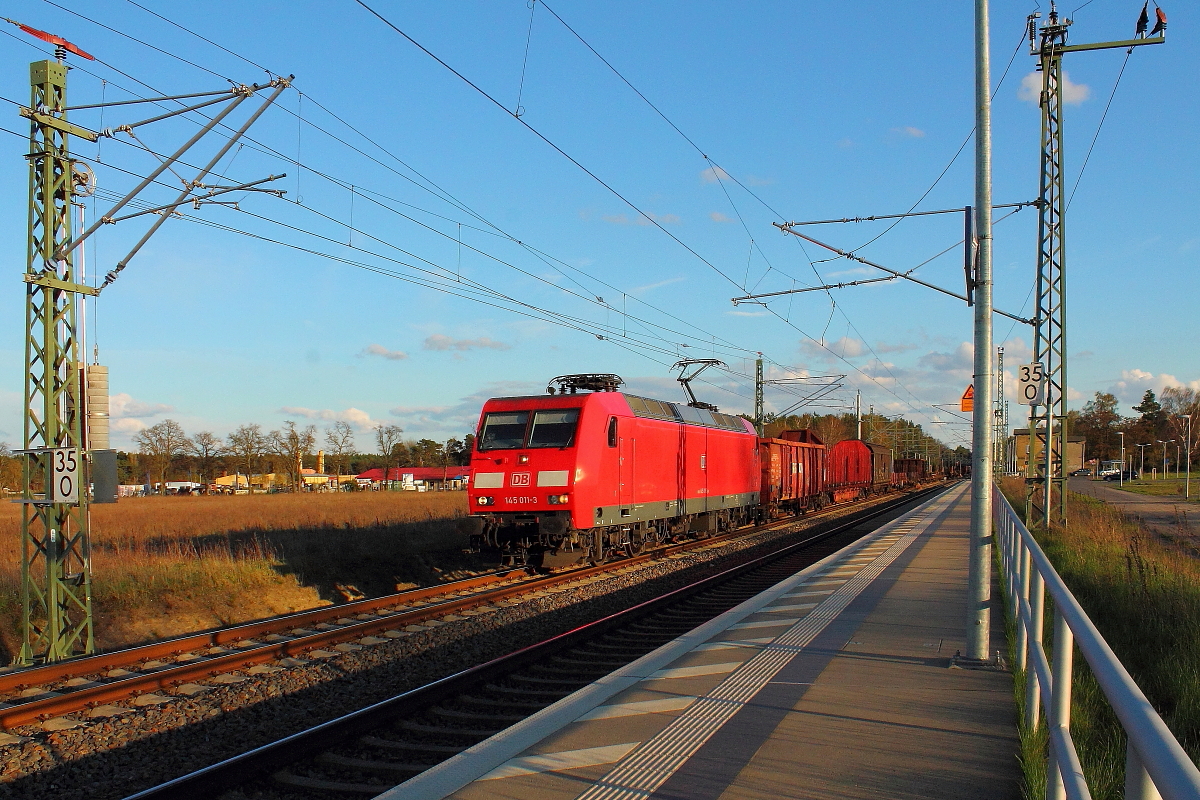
520 479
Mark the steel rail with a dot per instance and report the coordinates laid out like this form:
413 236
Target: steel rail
205 667
23 678
210 781
1156 765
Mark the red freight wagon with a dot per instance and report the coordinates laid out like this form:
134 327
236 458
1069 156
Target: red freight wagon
589 474
793 473
848 473
881 467
910 471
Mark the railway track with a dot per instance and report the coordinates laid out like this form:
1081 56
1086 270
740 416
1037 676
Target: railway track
91 684
370 750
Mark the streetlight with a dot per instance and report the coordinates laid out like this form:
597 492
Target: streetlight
1121 471
1164 444
1142 457
1187 450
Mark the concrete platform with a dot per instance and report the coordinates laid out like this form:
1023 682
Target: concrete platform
835 683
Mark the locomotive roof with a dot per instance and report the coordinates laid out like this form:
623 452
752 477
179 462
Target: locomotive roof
657 409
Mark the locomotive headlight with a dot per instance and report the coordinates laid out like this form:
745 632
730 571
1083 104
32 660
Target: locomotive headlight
485 501
523 458
559 499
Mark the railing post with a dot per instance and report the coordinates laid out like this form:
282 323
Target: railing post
1033 694
1138 785
1024 566
1060 701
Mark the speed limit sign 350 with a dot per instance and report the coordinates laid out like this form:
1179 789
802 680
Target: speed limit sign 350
1032 388
64 475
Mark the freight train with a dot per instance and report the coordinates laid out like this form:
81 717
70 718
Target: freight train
588 472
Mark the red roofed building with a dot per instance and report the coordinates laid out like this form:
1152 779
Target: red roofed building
447 476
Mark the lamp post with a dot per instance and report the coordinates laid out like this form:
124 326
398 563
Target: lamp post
1164 443
1187 453
1121 471
1176 460
1142 457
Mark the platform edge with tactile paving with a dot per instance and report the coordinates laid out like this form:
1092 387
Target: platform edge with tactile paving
834 683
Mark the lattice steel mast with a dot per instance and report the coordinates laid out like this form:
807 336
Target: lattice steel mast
56 588
1045 479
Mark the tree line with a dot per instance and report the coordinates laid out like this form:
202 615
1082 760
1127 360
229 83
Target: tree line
166 452
1162 424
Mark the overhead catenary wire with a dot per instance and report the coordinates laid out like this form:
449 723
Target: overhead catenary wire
428 185
564 154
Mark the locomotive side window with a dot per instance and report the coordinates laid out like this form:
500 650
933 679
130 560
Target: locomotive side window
612 432
504 430
554 428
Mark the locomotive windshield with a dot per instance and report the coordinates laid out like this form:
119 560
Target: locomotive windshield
504 431
554 428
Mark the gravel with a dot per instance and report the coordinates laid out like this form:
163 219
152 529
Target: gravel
112 755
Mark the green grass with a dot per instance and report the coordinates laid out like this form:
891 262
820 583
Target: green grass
1143 594
1168 487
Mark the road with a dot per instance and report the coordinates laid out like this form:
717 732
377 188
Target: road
1167 515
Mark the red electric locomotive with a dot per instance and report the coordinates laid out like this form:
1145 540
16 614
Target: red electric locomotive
571 475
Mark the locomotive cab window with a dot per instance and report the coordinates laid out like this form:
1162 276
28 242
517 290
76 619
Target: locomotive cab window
503 430
612 432
554 428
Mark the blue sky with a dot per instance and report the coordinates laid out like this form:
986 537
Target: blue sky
819 112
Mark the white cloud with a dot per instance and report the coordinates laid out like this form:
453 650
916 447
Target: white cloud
128 425
909 130
714 174
441 342
899 347
650 286
756 181
356 417
717 216
961 359
122 406
1134 383
747 313
1072 93
383 352
846 347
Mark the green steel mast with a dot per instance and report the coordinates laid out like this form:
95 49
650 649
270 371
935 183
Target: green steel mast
56 584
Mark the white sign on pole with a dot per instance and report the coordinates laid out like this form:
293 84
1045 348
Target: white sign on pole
64 475
1032 388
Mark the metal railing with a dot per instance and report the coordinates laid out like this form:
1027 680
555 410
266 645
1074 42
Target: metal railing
1156 766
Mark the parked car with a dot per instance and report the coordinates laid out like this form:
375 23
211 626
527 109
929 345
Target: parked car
1079 472
1128 475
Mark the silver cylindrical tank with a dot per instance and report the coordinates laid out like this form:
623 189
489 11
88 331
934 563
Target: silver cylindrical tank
97 407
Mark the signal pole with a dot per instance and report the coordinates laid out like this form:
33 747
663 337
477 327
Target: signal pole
57 603
979 574
1046 482
759 411
1000 422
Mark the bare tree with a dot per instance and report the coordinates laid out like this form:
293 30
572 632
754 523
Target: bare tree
207 447
247 444
387 437
162 444
340 440
293 444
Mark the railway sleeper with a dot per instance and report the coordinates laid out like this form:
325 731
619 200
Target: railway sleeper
587 660
449 733
476 716
492 702
370 765
524 692
410 747
325 785
572 683
578 672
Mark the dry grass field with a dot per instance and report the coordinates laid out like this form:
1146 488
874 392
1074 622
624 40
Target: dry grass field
168 565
